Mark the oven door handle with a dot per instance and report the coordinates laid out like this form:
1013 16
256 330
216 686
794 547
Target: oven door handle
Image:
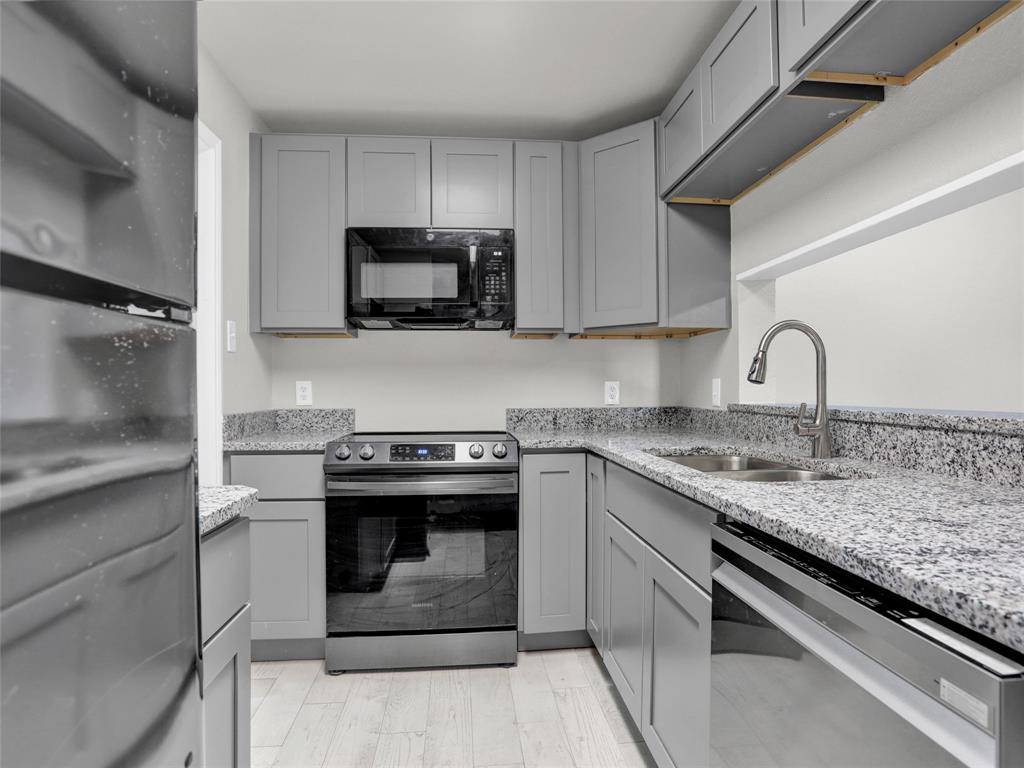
461 486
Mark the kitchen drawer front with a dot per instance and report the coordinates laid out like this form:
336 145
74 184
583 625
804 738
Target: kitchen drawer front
805 25
676 527
223 574
738 70
281 475
679 134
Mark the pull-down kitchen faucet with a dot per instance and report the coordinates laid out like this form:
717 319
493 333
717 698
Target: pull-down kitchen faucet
818 428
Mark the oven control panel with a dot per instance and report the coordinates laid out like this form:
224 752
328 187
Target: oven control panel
422 452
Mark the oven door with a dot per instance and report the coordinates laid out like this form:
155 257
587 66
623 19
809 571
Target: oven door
415 280
411 554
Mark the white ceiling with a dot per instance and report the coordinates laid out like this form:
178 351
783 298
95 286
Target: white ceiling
540 69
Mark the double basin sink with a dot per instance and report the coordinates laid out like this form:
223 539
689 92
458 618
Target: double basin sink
749 469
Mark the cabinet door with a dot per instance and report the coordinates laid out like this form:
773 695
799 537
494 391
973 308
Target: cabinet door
595 551
226 685
554 520
676 686
738 70
538 217
388 182
804 25
623 612
472 183
618 228
679 133
302 237
288 570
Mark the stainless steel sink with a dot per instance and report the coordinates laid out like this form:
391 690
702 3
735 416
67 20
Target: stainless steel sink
723 463
749 469
776 475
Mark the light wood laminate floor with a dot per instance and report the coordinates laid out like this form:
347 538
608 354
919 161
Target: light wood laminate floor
556 709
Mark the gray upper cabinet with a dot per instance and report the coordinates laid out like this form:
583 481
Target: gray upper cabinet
554 527
623 612
677 666
618 228
472 183
738 70
595 550
538 226
679 133
804 25
388 182
302 232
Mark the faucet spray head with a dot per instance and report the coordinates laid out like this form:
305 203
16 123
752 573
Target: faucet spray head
758 367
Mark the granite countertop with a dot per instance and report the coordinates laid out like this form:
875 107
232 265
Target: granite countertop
274 441
952 545
220 504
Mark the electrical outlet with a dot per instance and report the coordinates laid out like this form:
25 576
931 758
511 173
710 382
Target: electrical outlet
303 392
716 392
231 341
611 392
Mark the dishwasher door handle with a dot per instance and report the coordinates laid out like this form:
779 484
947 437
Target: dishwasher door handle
953 733
425 486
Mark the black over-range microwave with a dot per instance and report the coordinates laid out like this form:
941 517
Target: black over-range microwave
430 279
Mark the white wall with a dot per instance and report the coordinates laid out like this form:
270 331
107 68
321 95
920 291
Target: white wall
246 374
436 380
963 114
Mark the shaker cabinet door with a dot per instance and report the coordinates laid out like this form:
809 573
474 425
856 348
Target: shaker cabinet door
226 686
538 218
675 721
302 232
623 612
805 25
388 182
618 228
554 542
738 70
472 183
679 134
595 551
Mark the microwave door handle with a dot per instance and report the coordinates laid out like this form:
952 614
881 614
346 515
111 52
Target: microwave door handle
474 290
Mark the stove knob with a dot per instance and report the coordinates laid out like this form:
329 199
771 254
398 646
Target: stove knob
476 451
366 452
343 452
499 450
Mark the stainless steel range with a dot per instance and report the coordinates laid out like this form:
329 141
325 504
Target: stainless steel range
422 550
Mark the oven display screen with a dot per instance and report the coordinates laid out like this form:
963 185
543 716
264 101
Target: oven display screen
421 452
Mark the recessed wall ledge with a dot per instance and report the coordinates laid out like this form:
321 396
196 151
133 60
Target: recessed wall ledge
1011 424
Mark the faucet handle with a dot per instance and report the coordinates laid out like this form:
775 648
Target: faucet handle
803 427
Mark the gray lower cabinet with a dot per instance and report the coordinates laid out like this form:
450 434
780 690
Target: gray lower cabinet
226 691
805 25
595 550
388 181
302 232
679 134
553 542
623 612
539 230
738 70
618 228
472 185
288 570
225 623
675 709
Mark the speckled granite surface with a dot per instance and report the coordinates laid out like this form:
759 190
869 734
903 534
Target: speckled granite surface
952 545
287 430
220 504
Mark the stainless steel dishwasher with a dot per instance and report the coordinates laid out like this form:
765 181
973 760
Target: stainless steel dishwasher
814 667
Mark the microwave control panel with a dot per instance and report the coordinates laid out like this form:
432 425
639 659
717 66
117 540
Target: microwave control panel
495 276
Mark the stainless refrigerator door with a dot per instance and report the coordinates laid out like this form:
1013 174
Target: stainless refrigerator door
98 140
98 537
